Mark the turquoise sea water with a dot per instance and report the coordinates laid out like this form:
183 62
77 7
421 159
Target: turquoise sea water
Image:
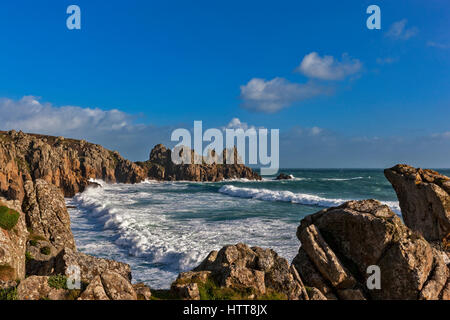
163 228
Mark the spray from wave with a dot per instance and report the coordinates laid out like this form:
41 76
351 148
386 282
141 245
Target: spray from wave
288 196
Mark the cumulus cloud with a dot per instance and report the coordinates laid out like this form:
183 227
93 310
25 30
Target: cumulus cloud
113 129
236 123
399 30
270 96
327 67
33 116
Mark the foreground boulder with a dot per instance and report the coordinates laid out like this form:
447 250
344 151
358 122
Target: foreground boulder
424 197
340 243
39 288
89 266
109 286
239 271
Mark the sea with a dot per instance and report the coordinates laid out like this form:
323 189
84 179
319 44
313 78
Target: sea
164 228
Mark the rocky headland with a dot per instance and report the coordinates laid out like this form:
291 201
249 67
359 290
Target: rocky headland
338 245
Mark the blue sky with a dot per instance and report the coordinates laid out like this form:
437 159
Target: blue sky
164 64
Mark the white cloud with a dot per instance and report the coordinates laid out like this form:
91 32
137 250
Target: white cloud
328 68
273 95
32 116
236 123
399 31
113 129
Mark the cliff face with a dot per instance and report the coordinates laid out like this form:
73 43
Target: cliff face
65 163
70 164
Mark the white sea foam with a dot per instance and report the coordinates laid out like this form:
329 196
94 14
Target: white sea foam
285 196
163 228
288 196
341 179
161 234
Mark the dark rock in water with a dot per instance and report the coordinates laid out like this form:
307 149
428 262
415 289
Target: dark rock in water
161 167
340 243
424 197
94 185
283 176
250 272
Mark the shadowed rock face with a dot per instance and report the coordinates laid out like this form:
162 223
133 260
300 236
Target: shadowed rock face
240 267
424 197
340 243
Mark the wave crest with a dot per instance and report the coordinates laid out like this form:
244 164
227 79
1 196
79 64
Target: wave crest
288 196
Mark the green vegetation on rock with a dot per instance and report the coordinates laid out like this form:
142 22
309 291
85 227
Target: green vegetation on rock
8 218
163 295
8 294
209 290
28 256
45 250
33 243
58 282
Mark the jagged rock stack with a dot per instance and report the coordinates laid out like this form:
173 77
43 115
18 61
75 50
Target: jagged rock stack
161 167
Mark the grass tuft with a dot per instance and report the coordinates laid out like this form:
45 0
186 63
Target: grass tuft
8 294
45 250
8 218
58 282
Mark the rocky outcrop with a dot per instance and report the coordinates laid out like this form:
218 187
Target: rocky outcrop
339 244
70 165
109 286
143 292
47 215
38 288
66 163
161 167
89 266
252 272
283 176
13 239
424 197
